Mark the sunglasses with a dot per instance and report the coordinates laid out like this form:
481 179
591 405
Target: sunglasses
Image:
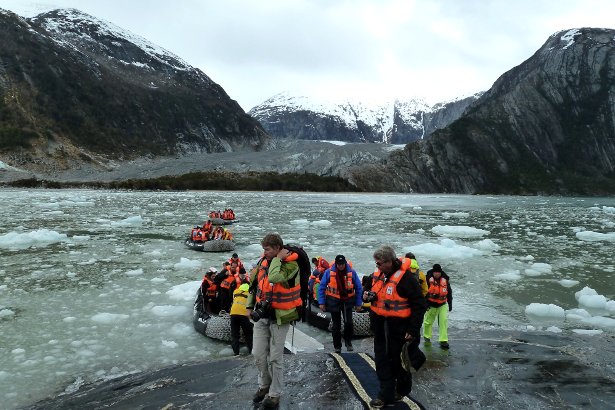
378 263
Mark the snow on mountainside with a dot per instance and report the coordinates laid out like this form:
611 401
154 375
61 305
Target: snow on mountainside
72 28
288 116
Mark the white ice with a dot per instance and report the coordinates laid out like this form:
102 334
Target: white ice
459 231
25 240
545 310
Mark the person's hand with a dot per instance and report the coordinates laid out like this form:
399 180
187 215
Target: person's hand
322 307
357 308
283 254
249 312
409 337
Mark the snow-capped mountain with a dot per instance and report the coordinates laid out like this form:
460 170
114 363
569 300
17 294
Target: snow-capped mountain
77 88
395 122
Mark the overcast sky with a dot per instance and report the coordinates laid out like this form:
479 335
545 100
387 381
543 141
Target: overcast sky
343 49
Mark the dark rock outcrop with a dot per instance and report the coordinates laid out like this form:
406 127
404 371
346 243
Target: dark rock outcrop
74 89
546 126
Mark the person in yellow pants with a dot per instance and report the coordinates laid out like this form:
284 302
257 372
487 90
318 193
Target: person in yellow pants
440 301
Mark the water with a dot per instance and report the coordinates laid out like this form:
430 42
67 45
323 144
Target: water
95 284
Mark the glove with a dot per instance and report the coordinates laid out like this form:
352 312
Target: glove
450 307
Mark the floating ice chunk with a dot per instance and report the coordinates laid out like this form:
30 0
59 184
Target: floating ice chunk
446 249
600 321
590 236
554 329
169 343
69 319
537 269
458 231
17 351
185 263
568 283
577 314
487 245
544 310
610 306
108 318
593 301
181 329
158 280
585 291
322 223
511 275
171 311
527 258
6 313
514 222
134 272
299 222
185 291
588 332
40 237
130 221
608 209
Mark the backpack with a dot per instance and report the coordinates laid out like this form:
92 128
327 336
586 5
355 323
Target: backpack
305 271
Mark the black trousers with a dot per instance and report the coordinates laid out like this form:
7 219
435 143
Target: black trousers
389 337
243 323
336 320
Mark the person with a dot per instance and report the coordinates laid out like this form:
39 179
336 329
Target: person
235 258
411 262
397 309
239 319
209 291
440 301
275 295
340 290
226 285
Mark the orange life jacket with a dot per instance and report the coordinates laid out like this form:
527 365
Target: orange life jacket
332 289
438 290
228 281
388 303
281 297
322 265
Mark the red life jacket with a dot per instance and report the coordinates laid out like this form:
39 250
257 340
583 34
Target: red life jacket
388 302
438 290
332 289
280 296
211 288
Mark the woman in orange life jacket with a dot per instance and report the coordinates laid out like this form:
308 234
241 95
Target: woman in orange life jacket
440 302
397 309
340 290
275 295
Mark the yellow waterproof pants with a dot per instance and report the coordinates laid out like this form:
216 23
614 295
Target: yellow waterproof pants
430 317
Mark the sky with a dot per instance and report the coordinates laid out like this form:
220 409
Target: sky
336 50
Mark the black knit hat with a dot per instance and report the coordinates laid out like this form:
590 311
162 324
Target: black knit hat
340 260
437 268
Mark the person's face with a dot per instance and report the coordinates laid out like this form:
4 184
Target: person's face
340 266
384 266
270 251
437 275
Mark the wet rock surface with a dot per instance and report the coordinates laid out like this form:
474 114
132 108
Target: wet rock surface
482 369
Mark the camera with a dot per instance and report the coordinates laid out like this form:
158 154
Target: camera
261 310
370 296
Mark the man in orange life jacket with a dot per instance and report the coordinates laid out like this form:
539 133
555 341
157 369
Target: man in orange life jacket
226 285
275 295
209 291
340 290
440 301
397 309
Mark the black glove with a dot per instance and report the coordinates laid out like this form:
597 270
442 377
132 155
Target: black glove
450 306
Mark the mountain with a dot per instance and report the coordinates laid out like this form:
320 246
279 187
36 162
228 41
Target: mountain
395 122
77 89
546 126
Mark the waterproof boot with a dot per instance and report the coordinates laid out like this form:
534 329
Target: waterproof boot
271 402
444 345
427 340
260 394
377 403
349 346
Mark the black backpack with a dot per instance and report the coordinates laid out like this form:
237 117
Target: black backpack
305 270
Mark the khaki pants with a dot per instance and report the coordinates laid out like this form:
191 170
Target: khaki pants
268 352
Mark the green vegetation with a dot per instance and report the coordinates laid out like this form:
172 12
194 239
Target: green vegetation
252 181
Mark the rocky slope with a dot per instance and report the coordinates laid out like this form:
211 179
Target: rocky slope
546 126
75 89
395 122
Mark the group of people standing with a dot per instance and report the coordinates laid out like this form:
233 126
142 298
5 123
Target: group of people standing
400 297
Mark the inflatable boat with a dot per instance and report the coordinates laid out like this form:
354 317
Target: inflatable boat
217 245
220 221
216 326
322 320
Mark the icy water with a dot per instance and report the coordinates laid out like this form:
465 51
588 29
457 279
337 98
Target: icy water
96 284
